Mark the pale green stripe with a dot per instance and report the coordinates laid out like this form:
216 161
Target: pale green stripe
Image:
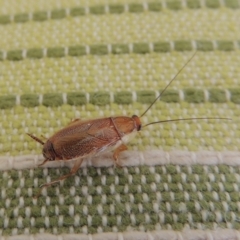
91 29
120 72
198 135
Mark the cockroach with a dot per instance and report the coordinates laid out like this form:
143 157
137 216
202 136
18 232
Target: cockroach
81 139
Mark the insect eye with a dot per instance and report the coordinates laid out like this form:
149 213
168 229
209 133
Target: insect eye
137 122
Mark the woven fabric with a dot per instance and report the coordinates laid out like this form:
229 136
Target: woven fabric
68 59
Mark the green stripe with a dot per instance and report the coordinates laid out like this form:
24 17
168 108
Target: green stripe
116 9
212 4
194 95
100 98
145 96
190 95
15 55
174 4
40 16
8 101
235 95
104 49
52 99
181 195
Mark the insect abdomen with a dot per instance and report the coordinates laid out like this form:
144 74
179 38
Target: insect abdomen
90 137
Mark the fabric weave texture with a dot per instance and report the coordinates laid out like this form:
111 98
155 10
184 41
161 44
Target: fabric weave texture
68 59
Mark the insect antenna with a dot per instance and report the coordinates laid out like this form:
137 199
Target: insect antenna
179 71
183 119
35 138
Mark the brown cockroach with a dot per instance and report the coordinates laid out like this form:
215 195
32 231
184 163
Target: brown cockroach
81 139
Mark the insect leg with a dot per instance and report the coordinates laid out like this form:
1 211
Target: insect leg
116 153
74 169
46 160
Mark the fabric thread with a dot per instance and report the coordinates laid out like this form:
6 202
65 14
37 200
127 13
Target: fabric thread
64 60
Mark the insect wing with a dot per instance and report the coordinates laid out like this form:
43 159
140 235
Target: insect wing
88 138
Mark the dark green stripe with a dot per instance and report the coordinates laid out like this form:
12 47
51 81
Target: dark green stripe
225 45
5 19
183 45
98 50
1 56
203 45
55 52
174 4
8 101
76 98
217 95
235 95
193 4
232 3
52 99
135 8
58 14
104 49
21 18
77 11
170 96
29 100
141 48
176 196
191 95
15 55
116 8
34 53
146 96
40 16
194 95
77 51
100 98
154 6
123 97
162 47
212 3
97 10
